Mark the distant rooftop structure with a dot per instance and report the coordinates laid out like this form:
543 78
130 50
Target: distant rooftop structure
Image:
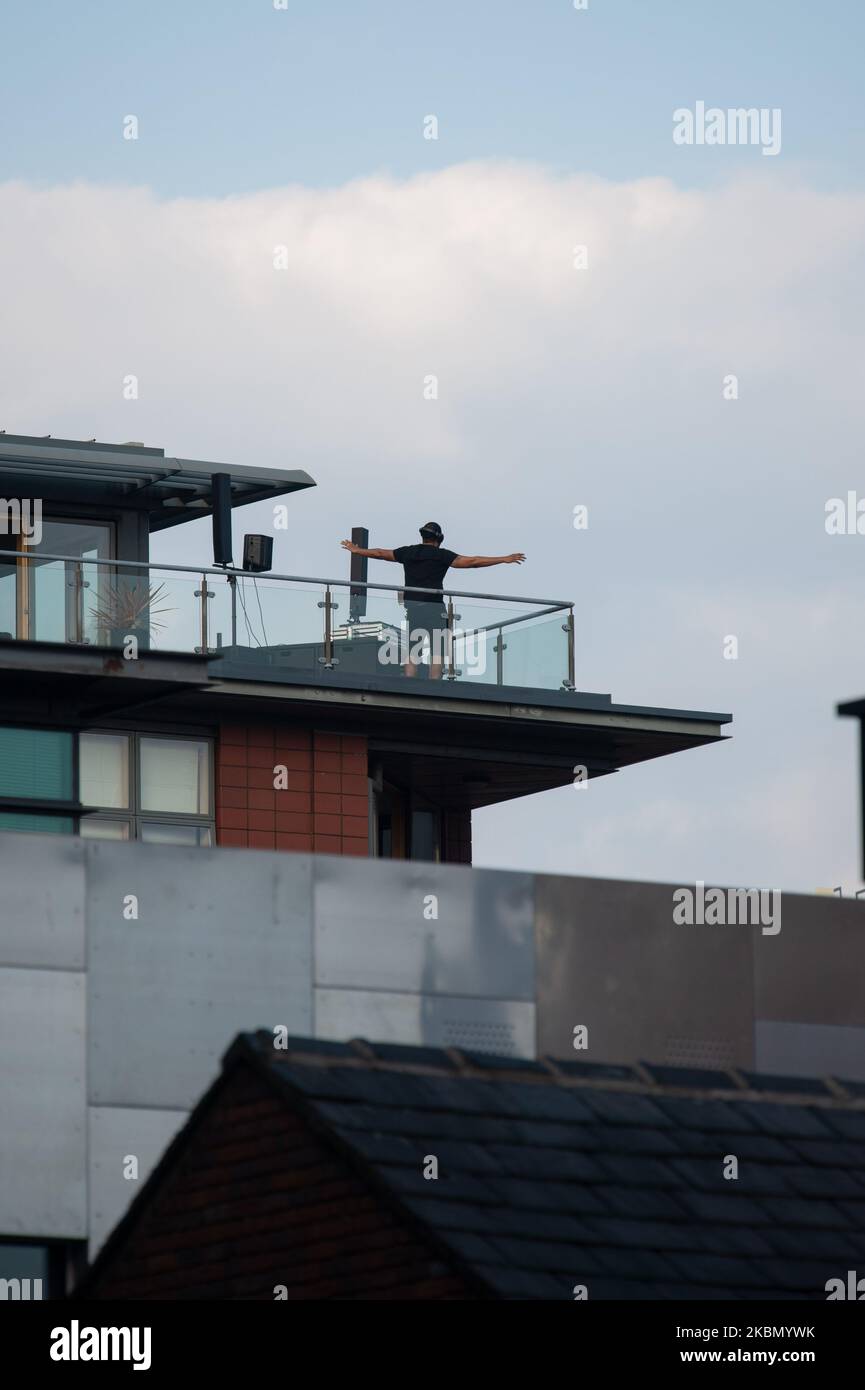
549 1176
170 490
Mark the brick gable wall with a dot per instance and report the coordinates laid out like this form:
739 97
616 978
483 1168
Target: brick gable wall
257 1200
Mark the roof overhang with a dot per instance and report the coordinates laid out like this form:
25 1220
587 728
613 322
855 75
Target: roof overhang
42 681
466 746
170 490
460 745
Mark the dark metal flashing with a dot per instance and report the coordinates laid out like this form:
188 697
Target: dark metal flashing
226 671
64 658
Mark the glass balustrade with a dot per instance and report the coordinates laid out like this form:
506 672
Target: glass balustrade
283 624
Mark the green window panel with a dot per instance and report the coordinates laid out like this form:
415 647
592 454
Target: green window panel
36 763
22 820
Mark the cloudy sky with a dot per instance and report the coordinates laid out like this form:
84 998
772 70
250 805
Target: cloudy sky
303 127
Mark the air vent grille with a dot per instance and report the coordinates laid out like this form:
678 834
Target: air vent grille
480 1035
714 1053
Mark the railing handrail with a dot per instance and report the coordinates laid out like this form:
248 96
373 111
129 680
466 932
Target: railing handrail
554 604
504 622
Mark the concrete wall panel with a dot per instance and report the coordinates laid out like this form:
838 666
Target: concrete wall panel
222 944
43 1142
115 1135
42 903
611 957
371 931
482 1025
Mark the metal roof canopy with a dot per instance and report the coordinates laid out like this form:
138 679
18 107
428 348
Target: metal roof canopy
171 491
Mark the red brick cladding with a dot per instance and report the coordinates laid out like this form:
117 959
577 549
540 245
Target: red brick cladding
324 805
257 1199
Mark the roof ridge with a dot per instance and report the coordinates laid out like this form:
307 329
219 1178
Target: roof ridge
360 1055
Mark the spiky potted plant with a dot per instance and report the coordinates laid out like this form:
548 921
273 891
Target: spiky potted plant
130 609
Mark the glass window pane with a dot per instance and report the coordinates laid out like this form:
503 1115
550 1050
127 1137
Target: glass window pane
175 833
53 593
175 775
37 763
101 828
104 769
423 834
24 1262
46 825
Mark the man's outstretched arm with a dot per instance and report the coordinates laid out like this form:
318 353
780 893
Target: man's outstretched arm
479 562
370 554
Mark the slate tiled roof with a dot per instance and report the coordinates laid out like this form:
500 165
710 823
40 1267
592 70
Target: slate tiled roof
550 1175
556 1174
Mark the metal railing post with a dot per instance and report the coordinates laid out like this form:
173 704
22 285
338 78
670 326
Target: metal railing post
451 668
328 661
232 580
203 594
500 648
568 627
77 583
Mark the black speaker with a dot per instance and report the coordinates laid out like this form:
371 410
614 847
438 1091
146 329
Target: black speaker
220 494
257 553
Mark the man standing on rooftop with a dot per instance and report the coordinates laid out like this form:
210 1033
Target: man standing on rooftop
425 567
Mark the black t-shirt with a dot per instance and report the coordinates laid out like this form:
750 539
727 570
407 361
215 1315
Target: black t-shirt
427 566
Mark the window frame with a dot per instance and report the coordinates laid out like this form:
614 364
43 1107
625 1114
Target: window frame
65 1262
133 815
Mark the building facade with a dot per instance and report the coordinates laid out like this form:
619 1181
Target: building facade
224 804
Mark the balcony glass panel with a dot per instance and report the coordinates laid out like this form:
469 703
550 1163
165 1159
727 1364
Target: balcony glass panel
280 624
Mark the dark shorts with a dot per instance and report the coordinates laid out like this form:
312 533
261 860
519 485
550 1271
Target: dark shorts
428 622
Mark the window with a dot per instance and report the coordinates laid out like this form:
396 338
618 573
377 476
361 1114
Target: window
175 775
37 780
407 826
32 1271
55 600
105 770
24 1268
424 834
156 788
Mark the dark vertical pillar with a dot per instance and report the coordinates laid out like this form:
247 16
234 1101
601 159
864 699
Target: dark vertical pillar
357 574
220 491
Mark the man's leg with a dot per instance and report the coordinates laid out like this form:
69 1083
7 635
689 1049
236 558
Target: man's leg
416 635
